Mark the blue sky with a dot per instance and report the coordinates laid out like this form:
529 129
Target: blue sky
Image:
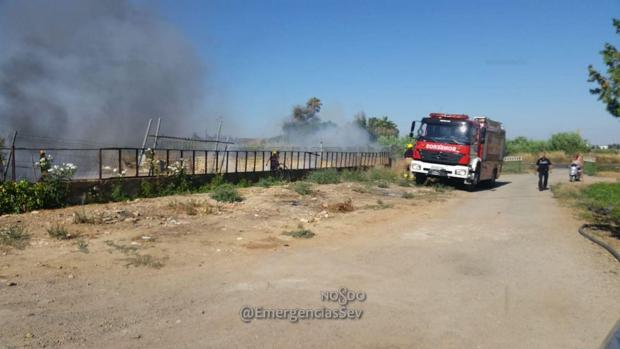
521 62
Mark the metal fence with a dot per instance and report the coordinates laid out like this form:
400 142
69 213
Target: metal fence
102 163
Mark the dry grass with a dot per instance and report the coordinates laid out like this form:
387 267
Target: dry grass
145 260
60 232
345 206
14 236
192 207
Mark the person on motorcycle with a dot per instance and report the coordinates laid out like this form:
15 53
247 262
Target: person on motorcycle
578 160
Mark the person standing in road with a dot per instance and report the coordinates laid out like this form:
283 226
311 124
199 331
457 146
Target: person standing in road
543 166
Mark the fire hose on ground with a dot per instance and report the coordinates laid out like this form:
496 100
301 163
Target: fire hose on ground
613 338
582 231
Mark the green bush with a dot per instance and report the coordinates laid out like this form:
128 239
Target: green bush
226 193
300 234
118 192
148 189
267 182
302 188
327 176
23 196
382 174
353 176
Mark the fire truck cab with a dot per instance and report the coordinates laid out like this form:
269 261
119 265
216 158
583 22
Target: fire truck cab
458 147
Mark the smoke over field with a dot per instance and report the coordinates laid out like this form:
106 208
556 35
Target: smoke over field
94 69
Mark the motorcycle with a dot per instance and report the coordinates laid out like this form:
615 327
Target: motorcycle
574 173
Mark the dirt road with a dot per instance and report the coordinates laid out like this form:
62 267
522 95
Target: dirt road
501 268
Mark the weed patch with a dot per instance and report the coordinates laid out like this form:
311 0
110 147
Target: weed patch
226 193
302 188
145 260
327 176
300 234
59 232
14 236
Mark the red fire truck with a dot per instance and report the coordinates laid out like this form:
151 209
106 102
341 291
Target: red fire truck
458 147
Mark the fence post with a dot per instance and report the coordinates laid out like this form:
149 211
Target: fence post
137 163
217 160
236 159
167 159
255 155
226 161
245 168
206 161
120 165
100 163
193 162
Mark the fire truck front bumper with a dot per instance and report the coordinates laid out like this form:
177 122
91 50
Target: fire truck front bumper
440 170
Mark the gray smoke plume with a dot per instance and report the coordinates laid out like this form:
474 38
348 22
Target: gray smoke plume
94 70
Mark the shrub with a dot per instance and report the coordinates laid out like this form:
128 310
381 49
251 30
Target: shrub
383 174
81 217
23 196
327 176
226 193
302 188
267 182
383 184
59 232
14 236
118 192
148 189
300 233
353 176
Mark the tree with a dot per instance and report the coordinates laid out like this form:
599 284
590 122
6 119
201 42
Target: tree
608 89
568 142
525 145
305 119
308 112
376 127
382 127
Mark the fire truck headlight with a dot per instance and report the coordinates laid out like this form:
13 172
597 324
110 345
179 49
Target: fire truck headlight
461 172
415 167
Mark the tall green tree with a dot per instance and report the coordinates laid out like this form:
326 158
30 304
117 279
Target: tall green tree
608 90
376 127
568 142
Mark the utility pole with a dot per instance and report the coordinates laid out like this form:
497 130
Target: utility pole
146 136
12 158
217 139
157 133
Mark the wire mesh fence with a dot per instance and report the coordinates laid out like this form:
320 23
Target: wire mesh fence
102 163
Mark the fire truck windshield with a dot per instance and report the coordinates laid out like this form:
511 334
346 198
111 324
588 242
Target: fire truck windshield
446 132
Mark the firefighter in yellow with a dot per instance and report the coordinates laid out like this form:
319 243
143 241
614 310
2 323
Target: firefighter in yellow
407 158
274 161
45 163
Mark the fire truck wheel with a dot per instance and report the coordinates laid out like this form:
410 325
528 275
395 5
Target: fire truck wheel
472 186
420 178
